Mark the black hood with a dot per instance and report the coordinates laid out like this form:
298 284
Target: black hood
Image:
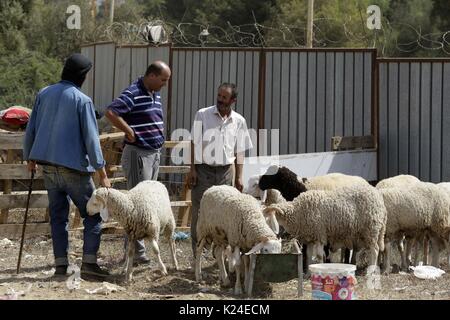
75 69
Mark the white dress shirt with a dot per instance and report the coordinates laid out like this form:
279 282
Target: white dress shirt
217 139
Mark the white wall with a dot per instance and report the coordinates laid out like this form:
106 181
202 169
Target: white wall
362 163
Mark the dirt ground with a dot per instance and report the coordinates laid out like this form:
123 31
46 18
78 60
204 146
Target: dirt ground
36 280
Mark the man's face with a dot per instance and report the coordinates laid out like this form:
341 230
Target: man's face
224 100
157 82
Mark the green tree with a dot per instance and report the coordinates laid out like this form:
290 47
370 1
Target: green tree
23 74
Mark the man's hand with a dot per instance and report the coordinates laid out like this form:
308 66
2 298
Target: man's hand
192 179
238 184
32 166
104 182
103 178
130 136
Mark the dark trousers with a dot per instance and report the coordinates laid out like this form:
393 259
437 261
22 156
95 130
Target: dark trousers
207 176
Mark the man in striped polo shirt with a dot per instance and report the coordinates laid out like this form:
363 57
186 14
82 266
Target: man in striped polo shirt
138 113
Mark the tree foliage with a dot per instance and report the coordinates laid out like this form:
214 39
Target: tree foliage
35 40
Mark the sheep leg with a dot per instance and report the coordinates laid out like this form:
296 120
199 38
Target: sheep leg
129 260
343 252
238 286
353 260
218 252
155 248
448 251
387 257
373 255
435 252
309 255
198 257
246 271
173 251
410 244
401 249
426 244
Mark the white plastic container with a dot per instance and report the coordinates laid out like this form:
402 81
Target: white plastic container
333 281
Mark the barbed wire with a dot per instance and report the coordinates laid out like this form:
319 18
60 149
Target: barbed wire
328 32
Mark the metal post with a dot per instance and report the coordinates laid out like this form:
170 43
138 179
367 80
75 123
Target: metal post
111 12
309 26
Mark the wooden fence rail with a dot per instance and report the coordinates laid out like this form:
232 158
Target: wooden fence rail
10 170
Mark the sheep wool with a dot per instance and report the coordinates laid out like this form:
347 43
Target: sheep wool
229 217
351 217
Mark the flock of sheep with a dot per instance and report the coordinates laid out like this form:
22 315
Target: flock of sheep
324 214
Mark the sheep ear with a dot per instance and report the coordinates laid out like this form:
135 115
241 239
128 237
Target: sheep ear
263 195
272 222
255 249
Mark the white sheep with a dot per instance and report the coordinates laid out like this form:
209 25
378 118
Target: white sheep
333 181
351 217
406 181
397 181
445 186
143 212
421 208
290 185
228 217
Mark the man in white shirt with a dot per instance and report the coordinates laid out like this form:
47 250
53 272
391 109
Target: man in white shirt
220 138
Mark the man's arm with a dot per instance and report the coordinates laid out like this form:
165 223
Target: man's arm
196 144
244 142
192 178
119 123
29 137
239 165
92 143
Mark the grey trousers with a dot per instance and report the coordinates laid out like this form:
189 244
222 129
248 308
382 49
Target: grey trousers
207 176
138 165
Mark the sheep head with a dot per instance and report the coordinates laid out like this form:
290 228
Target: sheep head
275 215
97 202
284 180
253 188
266 246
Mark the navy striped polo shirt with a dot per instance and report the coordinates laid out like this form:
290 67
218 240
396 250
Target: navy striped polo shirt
142 111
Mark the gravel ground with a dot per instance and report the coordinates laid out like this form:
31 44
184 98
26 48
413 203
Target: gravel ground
36 280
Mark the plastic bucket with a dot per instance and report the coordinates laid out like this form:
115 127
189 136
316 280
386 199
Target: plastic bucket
333 281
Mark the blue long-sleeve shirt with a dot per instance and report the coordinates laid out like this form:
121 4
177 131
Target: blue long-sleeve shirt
63 130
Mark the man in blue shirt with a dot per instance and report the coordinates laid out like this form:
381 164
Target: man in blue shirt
62 136
138 113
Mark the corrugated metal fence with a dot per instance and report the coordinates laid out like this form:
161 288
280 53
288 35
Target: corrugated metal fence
414 118
310 95
115 68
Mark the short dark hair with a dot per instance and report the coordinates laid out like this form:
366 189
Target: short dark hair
232 86
154 68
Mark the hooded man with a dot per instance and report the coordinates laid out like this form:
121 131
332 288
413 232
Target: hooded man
62 136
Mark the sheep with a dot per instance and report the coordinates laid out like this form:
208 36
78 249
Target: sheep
228 217
268 196
273 196
350 216
144 212
400 180
445 186
405 181
290 186
421 208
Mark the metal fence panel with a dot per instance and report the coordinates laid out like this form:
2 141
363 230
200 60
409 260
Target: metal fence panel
104 74
333 89
88 85
413 124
